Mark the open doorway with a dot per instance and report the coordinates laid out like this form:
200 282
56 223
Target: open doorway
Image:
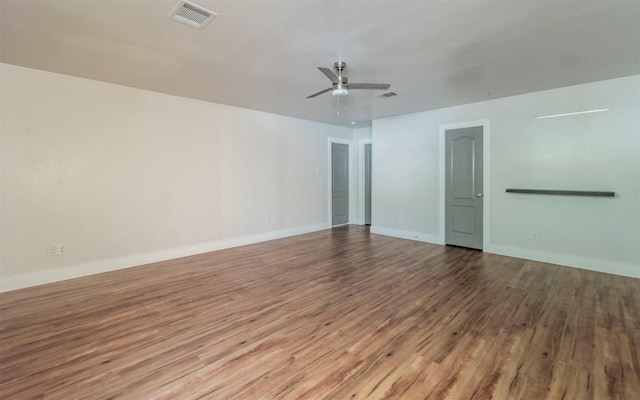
339 184
367 184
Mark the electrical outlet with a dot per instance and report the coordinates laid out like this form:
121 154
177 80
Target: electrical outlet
534 234
61 249
51 250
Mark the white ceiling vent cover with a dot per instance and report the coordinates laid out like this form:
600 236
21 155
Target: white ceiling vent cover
192 14
387 94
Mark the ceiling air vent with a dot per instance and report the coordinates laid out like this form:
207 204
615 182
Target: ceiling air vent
387 94
192 14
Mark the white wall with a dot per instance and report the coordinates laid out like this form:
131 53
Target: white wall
123 176
583 152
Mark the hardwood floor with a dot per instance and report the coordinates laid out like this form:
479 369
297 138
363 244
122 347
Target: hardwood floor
337 314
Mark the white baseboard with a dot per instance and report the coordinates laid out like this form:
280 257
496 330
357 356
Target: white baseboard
606 266
599 265
20 281
418 236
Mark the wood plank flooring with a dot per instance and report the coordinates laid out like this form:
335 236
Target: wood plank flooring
337 314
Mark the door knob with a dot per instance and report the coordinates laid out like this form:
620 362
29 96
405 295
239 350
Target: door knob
479 194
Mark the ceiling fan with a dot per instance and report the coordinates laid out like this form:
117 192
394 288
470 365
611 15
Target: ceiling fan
340 85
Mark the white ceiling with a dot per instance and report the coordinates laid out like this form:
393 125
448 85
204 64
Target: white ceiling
263 54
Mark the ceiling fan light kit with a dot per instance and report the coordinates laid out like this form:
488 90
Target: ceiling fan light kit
340 85
340 91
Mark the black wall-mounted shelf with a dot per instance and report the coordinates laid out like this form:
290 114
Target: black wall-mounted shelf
563 192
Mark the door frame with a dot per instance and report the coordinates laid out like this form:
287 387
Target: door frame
486 184
351 173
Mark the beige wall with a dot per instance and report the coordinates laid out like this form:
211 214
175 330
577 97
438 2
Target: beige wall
123 176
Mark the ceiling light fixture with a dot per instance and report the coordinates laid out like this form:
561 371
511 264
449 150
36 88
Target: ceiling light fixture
571 113
340 90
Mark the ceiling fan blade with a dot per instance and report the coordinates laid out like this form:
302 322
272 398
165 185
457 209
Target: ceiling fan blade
374 86
320 92
329 74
